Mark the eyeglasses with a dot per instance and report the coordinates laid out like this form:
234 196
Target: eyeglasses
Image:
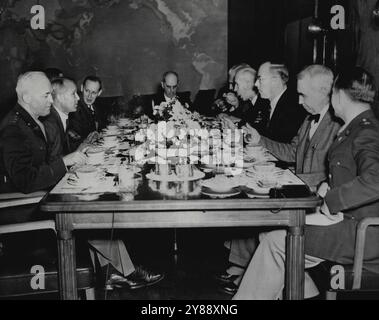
170 87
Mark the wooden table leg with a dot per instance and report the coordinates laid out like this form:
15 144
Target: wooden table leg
66 258
295 258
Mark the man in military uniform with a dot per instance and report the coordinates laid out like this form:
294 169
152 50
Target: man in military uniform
353 195
24 148
252 109
24 152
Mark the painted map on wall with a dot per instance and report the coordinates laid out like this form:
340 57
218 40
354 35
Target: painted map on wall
129 43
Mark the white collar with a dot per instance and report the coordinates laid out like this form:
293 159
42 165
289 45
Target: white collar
169 99
254 100
63 117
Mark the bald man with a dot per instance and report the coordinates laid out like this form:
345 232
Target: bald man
169 92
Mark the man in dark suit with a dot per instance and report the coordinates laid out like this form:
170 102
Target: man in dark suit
89 117
122 271
25 164
308 149
352 196
286 116
168 93
65 101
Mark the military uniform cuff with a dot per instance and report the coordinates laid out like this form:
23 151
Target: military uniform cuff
334 201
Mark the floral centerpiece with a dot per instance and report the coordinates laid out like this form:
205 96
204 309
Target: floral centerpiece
181 138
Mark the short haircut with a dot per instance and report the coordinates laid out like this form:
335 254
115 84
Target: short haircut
238 67
53 73
280 70
60 86
247 70
358 84
320 72
167 73
93 79
26 81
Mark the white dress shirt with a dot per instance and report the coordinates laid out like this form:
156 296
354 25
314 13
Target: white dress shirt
63 117
254 100
315 125
168 100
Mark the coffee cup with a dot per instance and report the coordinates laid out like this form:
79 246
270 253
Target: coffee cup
95 156
264 167
87 173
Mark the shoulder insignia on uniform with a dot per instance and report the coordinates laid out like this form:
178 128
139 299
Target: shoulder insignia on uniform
365 122
15 118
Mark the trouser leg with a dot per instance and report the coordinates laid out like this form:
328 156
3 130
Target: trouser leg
114 253
241 251
265 275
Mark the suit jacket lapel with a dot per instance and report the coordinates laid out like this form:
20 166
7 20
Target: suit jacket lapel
58 120
277 112
325 122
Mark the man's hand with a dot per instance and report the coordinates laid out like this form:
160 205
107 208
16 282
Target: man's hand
325 210
228 123
92 137
252 137
323 189
74 158
232 99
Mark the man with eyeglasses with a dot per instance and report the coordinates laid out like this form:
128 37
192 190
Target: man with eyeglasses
169 92
88 119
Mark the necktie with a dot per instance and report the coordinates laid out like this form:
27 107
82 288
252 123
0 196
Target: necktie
315 118
90 107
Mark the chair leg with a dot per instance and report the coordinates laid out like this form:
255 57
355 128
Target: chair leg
90 294
331 295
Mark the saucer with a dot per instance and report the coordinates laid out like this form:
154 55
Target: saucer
220 195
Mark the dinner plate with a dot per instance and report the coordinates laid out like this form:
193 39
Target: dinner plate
220 187
261 194
220 195
197 175
115 170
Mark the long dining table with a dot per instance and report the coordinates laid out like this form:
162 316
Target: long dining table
147 209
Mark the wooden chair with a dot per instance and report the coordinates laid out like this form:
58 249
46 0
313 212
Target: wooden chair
16 273
358 278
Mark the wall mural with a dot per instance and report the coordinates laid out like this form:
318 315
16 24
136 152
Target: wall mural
128 43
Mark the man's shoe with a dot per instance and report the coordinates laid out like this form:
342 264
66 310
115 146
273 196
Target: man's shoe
229 288
148 276
140 278
118 281
225 277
